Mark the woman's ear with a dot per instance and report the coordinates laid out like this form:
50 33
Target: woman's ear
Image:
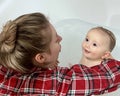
106 55
40 57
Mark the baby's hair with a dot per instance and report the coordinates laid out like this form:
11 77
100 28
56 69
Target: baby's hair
21 39
109 33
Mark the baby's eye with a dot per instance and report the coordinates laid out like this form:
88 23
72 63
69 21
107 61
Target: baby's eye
94 44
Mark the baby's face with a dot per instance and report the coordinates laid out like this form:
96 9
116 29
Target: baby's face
96 44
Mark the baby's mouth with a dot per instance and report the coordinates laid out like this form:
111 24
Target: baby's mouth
86 51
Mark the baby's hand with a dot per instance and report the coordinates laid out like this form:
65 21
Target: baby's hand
110 57
107 56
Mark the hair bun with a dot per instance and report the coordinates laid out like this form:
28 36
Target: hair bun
8 37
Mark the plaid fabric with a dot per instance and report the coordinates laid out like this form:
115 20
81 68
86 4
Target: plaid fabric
79 80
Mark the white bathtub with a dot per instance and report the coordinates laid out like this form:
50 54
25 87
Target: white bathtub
72 19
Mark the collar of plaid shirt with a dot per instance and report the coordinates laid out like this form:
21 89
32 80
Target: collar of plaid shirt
78 80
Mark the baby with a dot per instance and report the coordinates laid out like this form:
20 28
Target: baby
97 46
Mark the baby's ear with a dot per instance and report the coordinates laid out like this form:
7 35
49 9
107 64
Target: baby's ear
107 55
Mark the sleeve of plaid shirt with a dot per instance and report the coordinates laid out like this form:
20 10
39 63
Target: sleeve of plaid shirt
96 80
77 81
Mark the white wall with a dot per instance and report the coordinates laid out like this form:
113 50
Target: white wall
96 11
88 10
113 11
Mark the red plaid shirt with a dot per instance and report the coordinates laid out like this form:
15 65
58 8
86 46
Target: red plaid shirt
76 81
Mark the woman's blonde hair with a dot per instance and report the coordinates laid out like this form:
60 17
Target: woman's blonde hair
22 38
110 35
